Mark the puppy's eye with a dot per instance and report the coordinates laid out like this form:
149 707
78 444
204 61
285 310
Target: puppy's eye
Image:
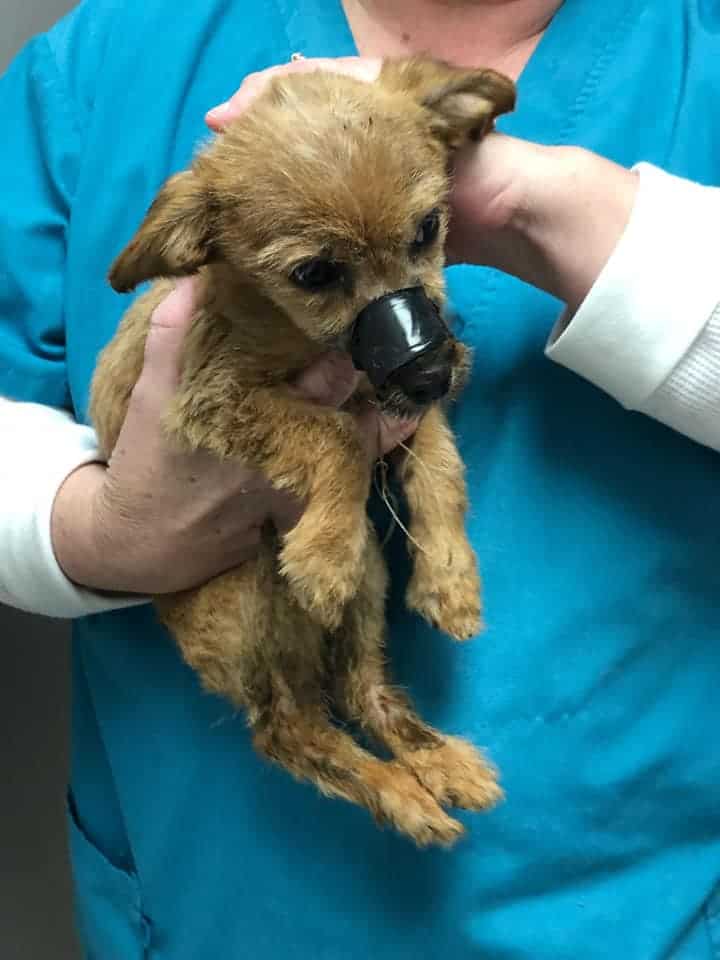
427 231
316 273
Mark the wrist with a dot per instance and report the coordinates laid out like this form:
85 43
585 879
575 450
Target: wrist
572 208
548 215
77 530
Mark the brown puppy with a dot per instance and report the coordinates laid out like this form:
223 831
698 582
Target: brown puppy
317 220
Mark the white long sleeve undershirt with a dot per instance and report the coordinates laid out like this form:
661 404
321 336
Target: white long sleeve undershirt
648 333
41 447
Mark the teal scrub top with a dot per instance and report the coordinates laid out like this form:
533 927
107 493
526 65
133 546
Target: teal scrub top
595 688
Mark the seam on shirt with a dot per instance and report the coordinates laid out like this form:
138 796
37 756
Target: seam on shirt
58 91
48 72
595 74
682 89
712 921
102 26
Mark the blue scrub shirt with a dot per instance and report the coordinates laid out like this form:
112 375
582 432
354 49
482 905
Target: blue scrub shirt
595 688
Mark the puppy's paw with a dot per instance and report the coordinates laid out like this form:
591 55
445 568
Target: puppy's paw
403 802
447 596
456 774
319 585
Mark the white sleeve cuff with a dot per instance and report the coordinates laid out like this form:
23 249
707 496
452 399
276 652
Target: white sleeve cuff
648 333
41 447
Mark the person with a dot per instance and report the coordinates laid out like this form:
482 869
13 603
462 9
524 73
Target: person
596 682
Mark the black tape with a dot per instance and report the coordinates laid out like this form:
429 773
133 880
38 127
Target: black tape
393 330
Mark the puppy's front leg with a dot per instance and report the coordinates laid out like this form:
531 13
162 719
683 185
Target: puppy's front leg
445 585
313 452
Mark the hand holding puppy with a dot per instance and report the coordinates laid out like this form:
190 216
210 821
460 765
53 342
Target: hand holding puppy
517 206
156 521
123 528
548 215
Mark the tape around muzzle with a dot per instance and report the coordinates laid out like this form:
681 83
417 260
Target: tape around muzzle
394 330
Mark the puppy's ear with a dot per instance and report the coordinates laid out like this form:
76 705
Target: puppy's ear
462 103
174 239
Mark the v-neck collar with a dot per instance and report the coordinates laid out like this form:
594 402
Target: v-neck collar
567 69
560 79
317 28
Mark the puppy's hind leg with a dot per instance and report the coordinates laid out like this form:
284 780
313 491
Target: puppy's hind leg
304 741
451 768
224 628
295 730
251 642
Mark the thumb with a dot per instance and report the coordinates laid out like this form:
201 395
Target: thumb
363 68
383 433
169 323
329 380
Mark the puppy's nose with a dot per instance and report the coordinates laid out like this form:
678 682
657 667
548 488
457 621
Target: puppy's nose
423 383
395 330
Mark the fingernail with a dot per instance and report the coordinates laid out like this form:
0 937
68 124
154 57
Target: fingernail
183 288
218 112
180 297
407 427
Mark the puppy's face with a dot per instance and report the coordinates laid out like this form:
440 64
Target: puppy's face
330 197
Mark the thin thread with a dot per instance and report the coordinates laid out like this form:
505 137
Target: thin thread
411 452
386 494
429 471
388 499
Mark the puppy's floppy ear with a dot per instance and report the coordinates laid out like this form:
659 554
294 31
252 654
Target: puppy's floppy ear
463 103
174 239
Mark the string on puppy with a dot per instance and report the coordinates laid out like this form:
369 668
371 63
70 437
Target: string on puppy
386 494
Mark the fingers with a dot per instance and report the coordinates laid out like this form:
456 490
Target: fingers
362 68
393 432
329 380
160 374
285 511
383 433
169 324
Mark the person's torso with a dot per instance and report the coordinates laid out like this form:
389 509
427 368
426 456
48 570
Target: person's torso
594 688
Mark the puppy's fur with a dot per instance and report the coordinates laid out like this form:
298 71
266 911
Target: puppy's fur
321 166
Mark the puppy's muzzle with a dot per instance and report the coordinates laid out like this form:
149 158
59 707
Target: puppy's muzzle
401 340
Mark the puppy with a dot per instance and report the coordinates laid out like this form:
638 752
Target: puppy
317 221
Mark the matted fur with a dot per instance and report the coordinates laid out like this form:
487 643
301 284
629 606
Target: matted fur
321 165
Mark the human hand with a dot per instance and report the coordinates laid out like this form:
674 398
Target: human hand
362 68
548 215
157 521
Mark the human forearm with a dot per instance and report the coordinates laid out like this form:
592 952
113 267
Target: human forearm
631 252
42 446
